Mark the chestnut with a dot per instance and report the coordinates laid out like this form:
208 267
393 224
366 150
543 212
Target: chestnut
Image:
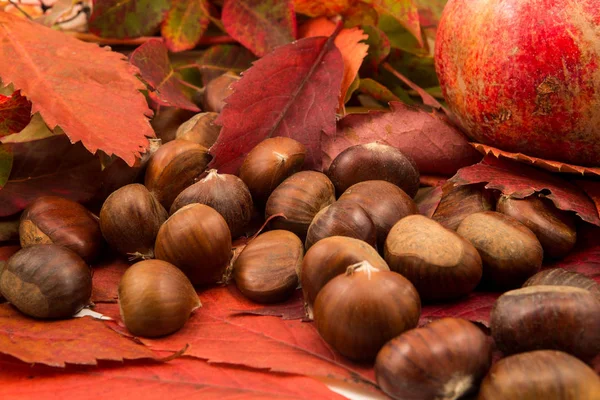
226 193
374 161
542 374
300 197
441 264
196 239
555 229
562 277
446 359
267 269
458 202
130 219
331 257
60 221
511 253
269 163
547 317
342 218
46 281
173 167
200 129
155 298
358 312
385 203
217 90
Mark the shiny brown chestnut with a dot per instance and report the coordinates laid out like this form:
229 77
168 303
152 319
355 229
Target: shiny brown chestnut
562 277
511 253
130 219
385 203
60 221
359 311
342 218
542 374
174 167
446 359
226 193
555 229
441 264
267 269
155 298
196 239
200 129
458 202
46 281
300 197
270 163
331 257
561 318
217 90
374 161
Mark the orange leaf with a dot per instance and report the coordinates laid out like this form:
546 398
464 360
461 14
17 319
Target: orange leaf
319 8
348 42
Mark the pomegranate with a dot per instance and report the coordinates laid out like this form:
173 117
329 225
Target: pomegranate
524 75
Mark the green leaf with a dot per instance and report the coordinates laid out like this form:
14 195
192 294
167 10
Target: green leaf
185 24
127 18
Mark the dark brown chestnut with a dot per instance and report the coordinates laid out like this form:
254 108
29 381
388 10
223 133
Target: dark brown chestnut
46 281
200 129
226 193
267 269
300 197
359 311
374 161
60 221
331 257
130 219
441 264
196 239
458 202
562 277
342 218
561 318
173 167
555 229
270 163
542 374
511 253
155 298
446 359
217 90
385 203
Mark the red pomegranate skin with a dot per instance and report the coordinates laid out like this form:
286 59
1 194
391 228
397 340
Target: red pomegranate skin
524 75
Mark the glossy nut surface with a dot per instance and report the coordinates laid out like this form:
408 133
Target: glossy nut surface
155 298
458 202
217 91
542 374
200 129
511 253
561 277
444 360
547 317
46 281
440 263
267 269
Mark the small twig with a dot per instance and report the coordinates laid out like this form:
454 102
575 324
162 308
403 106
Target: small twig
16 5
191 86
89 37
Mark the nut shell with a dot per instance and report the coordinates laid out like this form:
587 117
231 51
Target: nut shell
60 221
444 360
196 239
200 129
547 317
267 269
217 90
543 374
441 264
562 277
46 281
458 202
155 298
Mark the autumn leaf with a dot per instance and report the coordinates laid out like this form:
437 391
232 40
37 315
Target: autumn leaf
376 90
181 378
152 59
100 100
105 279
379 46
260 25
404 12
127 18
15 113
291 92
585 257
321 8
592 188
436 146
520 181
219 59
476 307
185 23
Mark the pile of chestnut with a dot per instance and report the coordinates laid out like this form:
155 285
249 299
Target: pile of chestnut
353 239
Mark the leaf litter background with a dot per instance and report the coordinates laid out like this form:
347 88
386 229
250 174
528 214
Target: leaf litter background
232 347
